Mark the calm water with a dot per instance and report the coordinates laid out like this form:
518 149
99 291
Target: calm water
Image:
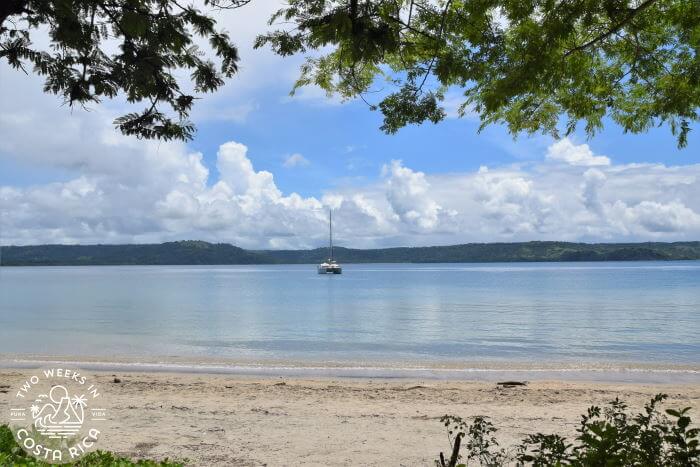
563 312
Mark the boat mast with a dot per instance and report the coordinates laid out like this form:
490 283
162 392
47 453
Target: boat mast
330 228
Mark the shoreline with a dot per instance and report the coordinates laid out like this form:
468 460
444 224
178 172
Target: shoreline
485 371
216 419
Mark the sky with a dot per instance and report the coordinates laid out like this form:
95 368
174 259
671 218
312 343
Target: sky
265 167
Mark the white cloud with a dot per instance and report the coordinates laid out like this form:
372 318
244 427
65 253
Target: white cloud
135 191
408 193
236 170
295 160
566 151
593 181
118 189
651 217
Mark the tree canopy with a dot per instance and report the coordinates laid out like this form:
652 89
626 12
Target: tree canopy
101 48
535 65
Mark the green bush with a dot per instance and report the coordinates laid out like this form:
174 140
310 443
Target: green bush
11 454
607 437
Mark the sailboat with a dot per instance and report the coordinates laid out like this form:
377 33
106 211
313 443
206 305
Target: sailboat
330 266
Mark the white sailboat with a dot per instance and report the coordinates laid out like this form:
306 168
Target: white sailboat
330 266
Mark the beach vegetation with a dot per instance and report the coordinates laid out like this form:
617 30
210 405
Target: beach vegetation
11 454
608 436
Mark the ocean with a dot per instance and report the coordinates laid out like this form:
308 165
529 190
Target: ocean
590 315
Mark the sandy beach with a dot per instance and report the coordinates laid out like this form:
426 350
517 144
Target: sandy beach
239 420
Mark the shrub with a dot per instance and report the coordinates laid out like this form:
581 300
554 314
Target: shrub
607 437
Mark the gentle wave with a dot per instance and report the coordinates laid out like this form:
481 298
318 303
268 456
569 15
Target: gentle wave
606 373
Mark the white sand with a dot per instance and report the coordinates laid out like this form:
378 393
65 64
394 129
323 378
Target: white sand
234 420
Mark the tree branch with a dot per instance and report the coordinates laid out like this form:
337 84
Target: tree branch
437 46
228 4
613 30
455 452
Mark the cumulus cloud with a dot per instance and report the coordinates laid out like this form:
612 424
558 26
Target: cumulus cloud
509 201
566 151
593 181
295 160
408 193
156 192
654 217
109 188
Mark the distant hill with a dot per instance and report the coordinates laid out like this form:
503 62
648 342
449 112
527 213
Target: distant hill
198 252
185 252
499 252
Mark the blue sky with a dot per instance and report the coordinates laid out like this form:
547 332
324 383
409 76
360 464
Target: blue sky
66 176
343 143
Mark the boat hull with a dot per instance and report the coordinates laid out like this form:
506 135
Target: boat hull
330 270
